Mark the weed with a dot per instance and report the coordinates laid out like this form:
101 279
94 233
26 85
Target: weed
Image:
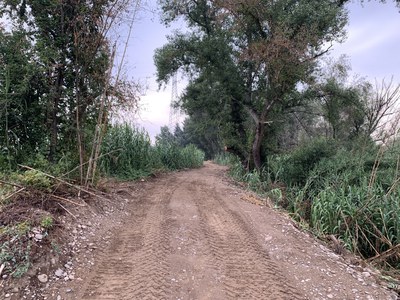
47 222
15 249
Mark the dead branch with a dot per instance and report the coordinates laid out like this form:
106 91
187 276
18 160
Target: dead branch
67 211
385 254
66 183
67 200
13 194
81 165
10 183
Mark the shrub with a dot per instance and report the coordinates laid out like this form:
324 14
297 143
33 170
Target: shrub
224 158
36 179
298 165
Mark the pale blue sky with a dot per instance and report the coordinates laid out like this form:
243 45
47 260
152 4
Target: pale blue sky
373 46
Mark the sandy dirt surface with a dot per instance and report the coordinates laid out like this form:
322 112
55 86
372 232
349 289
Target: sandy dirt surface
195 235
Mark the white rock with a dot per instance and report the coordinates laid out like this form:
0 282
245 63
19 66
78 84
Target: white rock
43 278
58 297
366 274
59 273
38 236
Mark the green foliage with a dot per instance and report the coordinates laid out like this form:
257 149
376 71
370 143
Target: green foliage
35 179
298 165
340 191
228 90
47 222
129 153
342 200
173 157
225 159
15 249
192 157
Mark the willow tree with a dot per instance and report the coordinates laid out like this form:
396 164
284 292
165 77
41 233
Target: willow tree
257 52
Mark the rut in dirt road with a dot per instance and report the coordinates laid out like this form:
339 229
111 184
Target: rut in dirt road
183 242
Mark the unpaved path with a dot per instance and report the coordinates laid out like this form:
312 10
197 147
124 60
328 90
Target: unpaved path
190 235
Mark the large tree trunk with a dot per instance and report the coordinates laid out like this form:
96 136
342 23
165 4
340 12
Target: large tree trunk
260 121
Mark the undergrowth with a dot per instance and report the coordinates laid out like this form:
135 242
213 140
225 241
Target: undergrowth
130 154
352 194
28 203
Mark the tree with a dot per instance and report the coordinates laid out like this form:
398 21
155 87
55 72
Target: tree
21 105
67 50
381 109
256 52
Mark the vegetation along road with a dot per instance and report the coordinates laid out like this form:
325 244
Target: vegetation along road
194 235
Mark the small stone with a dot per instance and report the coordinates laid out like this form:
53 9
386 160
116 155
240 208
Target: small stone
58 297
68 290
38 237
59 273
330 296
366 274
15 290
4 276
7 295
43 278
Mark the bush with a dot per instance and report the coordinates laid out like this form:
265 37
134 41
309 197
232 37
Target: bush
224 159
350 193
346 203
298 165
36 179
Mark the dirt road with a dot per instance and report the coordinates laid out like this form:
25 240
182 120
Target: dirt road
191 235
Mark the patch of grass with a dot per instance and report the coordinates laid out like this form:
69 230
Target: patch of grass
131 155
351 194
47 222
15 249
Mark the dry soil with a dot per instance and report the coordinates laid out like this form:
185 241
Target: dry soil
195 235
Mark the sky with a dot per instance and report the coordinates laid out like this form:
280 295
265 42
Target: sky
372 46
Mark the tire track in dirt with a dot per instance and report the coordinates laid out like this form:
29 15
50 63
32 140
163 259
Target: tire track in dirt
185 243
247 271
135 266
189 236
194 273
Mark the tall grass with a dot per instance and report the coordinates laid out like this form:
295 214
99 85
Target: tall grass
352 194
128 153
